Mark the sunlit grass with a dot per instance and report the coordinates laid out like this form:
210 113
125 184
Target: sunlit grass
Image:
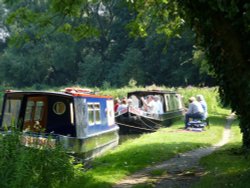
228 167
150 149
224 167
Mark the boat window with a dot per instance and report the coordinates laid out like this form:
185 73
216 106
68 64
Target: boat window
173 102
135 101
39 110
59 108
91 114
179 99
11 112
71 113
97 113
29 109
94 113
167 99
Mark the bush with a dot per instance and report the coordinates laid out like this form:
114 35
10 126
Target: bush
22 166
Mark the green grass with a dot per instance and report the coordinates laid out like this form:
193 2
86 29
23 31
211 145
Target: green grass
225 168
228 167
149 149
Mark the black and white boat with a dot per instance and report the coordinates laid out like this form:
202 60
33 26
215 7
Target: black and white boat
136 119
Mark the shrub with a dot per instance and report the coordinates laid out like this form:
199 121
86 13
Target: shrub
22 166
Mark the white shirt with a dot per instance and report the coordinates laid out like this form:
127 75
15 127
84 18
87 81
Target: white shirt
152 107
159 107
195 107
121 108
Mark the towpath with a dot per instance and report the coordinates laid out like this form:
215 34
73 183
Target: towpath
181 171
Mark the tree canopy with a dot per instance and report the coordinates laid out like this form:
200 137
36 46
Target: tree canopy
103 43
223 32
92 43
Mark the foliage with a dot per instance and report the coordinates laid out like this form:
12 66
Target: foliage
131 67
222 31
222 28
211 96
89 42
228 167
29 167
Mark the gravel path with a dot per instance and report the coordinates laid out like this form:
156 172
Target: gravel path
181 171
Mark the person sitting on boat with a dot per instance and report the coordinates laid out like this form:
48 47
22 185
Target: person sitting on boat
195 111
159 106
203 103
129 102
150 105
123 107
116 104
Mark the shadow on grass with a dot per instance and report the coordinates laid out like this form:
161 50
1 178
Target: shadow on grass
134 158
238 179
227 168
215 120
122 163
87 181
129 158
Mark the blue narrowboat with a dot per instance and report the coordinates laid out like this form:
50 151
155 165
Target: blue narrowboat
81 121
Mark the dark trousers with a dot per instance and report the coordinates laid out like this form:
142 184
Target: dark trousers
194 116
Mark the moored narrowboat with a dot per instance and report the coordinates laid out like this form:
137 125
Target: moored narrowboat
142 116
81 121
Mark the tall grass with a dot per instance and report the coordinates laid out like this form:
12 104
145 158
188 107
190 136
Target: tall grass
29 167
210 94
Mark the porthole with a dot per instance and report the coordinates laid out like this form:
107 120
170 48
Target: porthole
59 108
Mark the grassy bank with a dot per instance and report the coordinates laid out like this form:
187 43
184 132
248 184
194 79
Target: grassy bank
150 149
228 167
147 150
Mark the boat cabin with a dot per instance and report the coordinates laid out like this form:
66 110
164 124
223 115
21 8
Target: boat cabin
148 110
81 121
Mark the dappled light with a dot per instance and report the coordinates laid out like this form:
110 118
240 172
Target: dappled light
188 49
150 149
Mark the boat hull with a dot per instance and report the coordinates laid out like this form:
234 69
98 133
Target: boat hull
91 146
84 148
134 123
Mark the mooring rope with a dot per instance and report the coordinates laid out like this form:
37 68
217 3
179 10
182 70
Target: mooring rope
134 126
147 124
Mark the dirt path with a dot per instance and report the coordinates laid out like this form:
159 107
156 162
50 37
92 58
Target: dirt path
181 171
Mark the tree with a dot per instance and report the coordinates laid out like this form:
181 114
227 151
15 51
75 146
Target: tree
222 30
60 36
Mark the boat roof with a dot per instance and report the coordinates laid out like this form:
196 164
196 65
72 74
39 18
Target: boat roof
54 93
151 92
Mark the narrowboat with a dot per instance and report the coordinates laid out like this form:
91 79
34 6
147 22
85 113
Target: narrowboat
81 121
137 118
